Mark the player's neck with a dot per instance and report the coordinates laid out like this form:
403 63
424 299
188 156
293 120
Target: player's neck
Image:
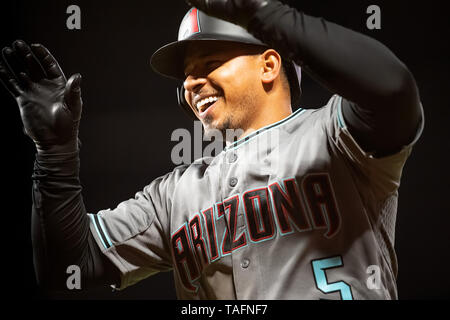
268 114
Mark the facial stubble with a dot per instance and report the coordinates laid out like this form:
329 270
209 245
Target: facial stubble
236 121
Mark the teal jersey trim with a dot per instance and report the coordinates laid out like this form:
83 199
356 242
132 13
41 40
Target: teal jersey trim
101 230
340 117
100 219
91 216
263 129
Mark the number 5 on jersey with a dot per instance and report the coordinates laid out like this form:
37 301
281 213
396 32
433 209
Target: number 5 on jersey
320 276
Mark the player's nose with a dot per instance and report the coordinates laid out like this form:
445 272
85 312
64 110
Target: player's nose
194 84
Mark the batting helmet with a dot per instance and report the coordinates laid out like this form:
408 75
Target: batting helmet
198 26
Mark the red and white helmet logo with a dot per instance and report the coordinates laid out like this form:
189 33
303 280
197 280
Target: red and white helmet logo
189 25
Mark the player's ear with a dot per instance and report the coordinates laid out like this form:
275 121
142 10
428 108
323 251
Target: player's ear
271 66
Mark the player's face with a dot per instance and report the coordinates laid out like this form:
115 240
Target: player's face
222 85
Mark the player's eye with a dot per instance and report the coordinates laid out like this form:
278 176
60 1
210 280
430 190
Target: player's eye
202 69
214 64
187 72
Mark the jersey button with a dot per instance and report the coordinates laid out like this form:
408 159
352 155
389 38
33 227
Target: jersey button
232 158
245 263
233 182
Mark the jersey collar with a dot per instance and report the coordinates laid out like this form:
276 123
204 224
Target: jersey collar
263 129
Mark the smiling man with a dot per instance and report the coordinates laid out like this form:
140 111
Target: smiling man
222 100
303 216
220 64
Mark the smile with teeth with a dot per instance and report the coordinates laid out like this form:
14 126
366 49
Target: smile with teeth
204 103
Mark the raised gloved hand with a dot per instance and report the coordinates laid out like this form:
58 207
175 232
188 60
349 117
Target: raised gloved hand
50 106
235 11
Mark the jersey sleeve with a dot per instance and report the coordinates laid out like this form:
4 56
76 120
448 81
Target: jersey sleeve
383 173
134 235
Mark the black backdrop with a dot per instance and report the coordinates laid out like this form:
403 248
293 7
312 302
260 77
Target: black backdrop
130 112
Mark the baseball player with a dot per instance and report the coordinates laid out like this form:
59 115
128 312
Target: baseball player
300 206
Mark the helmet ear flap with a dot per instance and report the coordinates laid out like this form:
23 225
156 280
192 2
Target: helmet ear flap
184 104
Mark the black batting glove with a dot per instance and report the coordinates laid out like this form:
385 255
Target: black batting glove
236 11
50 106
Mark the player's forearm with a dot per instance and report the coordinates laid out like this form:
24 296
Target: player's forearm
60 234
348 63
57 205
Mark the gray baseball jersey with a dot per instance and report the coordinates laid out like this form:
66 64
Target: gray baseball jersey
296 210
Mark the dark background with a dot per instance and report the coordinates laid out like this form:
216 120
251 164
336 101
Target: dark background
130 112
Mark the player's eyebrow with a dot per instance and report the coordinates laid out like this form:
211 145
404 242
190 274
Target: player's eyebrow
194 59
